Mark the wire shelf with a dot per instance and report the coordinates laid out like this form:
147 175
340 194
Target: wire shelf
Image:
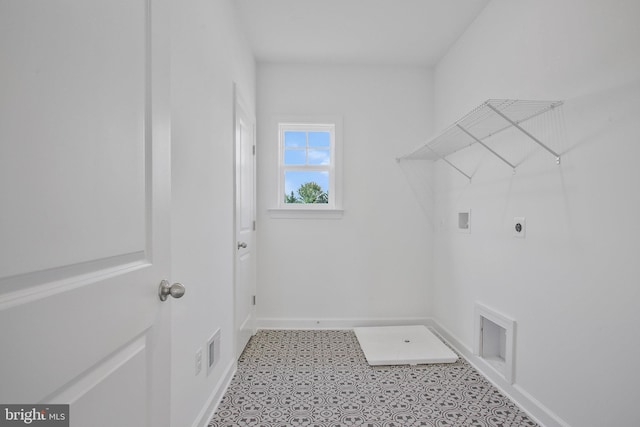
488 119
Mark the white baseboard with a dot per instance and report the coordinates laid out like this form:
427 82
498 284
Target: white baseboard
347 323
214 400
532 407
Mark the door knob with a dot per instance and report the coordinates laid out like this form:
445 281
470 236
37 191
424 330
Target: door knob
165 289
242 245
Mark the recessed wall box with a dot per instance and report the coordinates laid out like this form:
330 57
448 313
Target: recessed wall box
494 340
464 221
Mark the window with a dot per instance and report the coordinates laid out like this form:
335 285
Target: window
307 158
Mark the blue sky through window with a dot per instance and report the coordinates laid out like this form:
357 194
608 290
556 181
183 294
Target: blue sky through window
318 157
295 138
295 157
319 139
306 157
310 148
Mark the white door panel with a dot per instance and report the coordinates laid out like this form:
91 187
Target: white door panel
245 280
73 98
84 188
88 394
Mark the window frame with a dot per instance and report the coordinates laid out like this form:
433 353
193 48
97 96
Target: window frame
283 168
332 209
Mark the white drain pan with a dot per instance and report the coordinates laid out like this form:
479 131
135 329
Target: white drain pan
402 345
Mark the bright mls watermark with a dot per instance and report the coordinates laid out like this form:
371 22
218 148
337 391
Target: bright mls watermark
34 415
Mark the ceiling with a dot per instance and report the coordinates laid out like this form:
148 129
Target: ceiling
407 32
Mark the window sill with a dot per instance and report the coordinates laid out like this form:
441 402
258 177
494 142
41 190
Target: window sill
283 213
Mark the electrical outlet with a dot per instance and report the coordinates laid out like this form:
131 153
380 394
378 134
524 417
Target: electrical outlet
198 361
519 227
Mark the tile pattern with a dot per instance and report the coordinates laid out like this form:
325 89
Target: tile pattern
321 378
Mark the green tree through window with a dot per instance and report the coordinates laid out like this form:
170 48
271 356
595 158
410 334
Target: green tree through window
309 192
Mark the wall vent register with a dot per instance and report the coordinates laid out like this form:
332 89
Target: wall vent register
213 351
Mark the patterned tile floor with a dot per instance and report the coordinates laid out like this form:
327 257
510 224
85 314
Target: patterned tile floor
321 378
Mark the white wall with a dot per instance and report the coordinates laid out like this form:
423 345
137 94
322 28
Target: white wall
572 284
208 55
370 265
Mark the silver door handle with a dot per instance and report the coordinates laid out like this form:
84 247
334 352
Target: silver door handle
165 289
242 245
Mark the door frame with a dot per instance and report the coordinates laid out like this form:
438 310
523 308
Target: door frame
240 107
159 114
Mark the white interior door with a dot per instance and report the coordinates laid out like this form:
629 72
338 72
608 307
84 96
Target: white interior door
84 193
245 279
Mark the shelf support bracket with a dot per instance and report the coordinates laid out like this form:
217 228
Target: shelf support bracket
517 126
486 146
448 162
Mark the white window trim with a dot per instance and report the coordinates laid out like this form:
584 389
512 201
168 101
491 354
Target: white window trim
333 209
306 213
